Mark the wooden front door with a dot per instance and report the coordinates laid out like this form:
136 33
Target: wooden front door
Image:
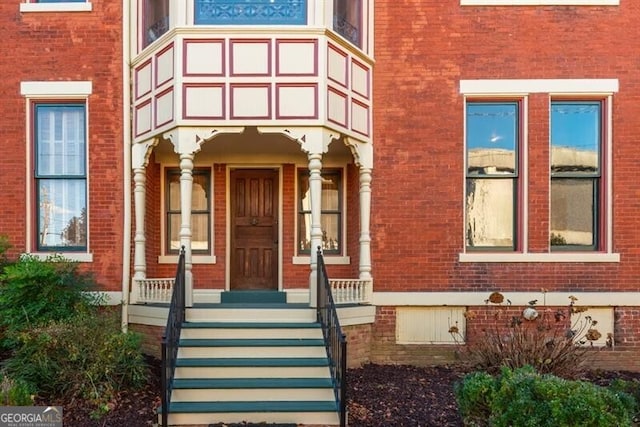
254 229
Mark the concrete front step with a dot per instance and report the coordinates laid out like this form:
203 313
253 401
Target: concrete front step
251 313
204 413
275 367
228 348
251 330
252 389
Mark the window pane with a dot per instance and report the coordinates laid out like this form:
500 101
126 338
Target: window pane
200 232
490 211
304 195
60 140
173 181
575 137
174 231
156 20
572 211
331 193
330 224
250 12
492 138
62 216
347 18
200 196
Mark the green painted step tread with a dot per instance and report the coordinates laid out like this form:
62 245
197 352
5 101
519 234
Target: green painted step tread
253 383
250 305
271 406
250 325
251 342
252 362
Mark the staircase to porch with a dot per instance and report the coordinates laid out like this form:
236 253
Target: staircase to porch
252 358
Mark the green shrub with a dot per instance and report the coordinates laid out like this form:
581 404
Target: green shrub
523 397
86 356
4 247
15 393
35 292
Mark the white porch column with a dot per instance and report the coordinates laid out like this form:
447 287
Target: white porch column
186 188
139 258
365 216
315 190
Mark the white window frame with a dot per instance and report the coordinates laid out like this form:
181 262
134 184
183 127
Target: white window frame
539 2
56 7
603 88
34 91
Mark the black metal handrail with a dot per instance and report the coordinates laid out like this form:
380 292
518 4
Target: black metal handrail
171 338
334 339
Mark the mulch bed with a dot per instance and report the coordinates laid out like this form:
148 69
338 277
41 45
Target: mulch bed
378 395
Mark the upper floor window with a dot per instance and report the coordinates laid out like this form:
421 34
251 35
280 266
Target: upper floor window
330 210
200 211
60 176
155 20
60 1
576 174
250 12
55 6
347 20
492 174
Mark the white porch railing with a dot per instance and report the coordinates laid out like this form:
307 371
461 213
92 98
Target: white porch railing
351 291
154 290
345 291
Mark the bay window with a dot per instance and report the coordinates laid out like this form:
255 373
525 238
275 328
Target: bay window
60 176
492 174
250 12
347 20
155 20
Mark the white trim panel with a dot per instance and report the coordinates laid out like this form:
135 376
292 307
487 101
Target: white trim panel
539 2
551 86
539 257
591 299
71 256
56 7
75 89
195 259
328 259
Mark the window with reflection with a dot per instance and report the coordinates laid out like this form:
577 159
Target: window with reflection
331 212
492 174
60 176
155 20
347 20
576 141
200 211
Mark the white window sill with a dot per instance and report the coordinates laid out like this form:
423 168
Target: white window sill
55 7
71 256
539 2
328 259
539 257
195 259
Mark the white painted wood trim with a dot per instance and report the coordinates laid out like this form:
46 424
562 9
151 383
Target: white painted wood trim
551 86
44 89
434 299
71 256
56 7
539 257
539 2
196 259
328 259
360 315
111 297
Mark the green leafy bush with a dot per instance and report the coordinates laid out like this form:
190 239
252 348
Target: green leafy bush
35 292
86 356
15 393
523 397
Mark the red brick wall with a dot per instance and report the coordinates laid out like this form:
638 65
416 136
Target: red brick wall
81 46
418 200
